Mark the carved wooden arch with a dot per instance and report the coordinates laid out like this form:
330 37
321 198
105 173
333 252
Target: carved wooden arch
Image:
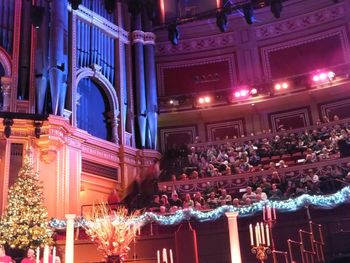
106 86
5 61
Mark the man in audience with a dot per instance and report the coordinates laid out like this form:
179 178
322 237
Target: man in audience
175 201
260 195
225 199
212 201
275 193
249 194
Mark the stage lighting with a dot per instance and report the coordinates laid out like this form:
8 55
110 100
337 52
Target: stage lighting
323 76
281 86
36 15
248 13
276 7
173 34
254 92
75 4
221 21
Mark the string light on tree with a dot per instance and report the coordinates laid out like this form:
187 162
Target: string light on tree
25 223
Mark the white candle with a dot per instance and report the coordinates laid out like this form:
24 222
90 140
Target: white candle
158 256
264 216
268 213
267 235
165 256
257 235
139 229
251 235
37 255
274 213
53 254
46 253
171 256
262 233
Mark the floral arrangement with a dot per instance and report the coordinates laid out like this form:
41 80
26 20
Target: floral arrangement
112 230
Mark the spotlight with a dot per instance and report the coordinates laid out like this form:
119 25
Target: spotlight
110 6
171 102
7 122
248 13
276 7
323 76
331 75
207 99
201 100
75 4
221 21
237 94
254 91
281 86
36 15
173 34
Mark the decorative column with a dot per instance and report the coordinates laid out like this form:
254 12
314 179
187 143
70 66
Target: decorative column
69 253
151 84
234 237
139 72
113 120
6 93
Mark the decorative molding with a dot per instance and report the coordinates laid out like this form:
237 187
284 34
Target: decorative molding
276 117
211 127
230 58
301 22
94 19
146 38
340 31
164 132
5 61
326 107
197 44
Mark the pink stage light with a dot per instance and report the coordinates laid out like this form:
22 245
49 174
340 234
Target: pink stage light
285 85
254 91
323 76
243 93
207 99
315 78
237 94
201 100
278 86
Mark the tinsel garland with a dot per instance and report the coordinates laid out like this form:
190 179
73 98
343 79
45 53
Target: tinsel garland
290 205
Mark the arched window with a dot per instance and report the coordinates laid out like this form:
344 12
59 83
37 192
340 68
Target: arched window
92 109
2 73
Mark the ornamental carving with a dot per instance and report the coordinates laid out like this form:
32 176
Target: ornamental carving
300 22
197 44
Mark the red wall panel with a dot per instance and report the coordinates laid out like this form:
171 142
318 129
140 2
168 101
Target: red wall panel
197 78
306 57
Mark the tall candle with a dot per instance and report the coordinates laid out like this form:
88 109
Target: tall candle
53 254
274 213
264 212
262 233
251 235
46 253
165 256
268 213
171 256
139 229
37 255
267 235
158 256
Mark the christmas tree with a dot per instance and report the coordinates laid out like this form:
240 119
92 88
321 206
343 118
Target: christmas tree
25 223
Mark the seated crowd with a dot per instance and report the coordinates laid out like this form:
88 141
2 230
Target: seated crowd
273 187
270 153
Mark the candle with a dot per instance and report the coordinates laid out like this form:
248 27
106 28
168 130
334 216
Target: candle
53 254
37 255
165 256
262 233
171 256
264 216
251 235
267 235
158 256
257 235
139 229
268 213
46 253
274 213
